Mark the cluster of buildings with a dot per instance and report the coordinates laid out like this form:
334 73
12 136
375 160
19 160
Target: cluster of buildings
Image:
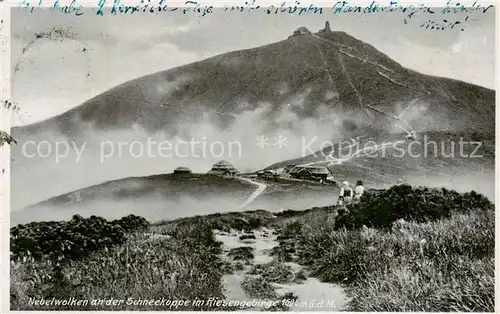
304 31
220 168
303 172
223 168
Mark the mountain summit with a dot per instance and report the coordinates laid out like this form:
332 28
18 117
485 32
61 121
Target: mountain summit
308 71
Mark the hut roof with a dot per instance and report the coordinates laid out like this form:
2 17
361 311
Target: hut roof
312 169
182 169
221 167
223 163
302 31
296 169
318 169
212 171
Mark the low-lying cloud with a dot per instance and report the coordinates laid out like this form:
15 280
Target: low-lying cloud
49 164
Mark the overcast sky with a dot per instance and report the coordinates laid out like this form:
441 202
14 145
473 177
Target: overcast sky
54 75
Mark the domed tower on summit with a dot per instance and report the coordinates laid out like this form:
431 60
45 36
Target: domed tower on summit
327 28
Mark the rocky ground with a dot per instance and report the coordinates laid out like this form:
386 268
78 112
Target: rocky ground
252 273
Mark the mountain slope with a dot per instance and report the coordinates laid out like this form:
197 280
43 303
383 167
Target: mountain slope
327 85
435 159
155 197
171 196
330 68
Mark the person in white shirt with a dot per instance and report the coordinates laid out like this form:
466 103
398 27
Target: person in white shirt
359 190
346 194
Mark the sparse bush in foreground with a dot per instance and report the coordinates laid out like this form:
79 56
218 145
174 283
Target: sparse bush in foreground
73 239
197 235
258 288
380 208
282 253
247 237
467 287
246 221
434 266
282 304
239 266
179 268
300 276
442 259
244 253
131 223
358 253
273 272
315 238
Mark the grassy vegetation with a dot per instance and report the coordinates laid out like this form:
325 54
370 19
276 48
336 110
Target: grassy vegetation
439 266
242 221
402 249
243 253
281 306
258 288
184 267
432 261
94 258
380 208
300 276
273 272
72 239
247 237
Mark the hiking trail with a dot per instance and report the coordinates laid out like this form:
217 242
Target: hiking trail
312 294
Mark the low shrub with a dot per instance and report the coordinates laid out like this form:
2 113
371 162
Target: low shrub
403 249
419 266
131 223
282 253
356 253
258 288
468 287
239 266
300 276
167 269
197 235
290 230
281 306
244 253
73 239
246 221
185 266
380 208
273 272
247 237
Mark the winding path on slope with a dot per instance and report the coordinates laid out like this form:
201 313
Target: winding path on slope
359 153
260 188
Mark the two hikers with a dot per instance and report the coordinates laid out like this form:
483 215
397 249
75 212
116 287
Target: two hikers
348 194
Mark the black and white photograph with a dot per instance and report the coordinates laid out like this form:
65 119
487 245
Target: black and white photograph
251 157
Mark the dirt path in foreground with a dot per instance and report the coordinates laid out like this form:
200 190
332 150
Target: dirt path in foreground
312 295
